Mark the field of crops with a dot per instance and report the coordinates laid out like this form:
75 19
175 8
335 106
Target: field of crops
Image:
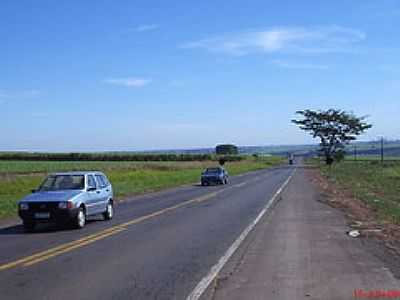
26 167
17 178
375 183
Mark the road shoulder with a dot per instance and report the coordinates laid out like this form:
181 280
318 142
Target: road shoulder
301 251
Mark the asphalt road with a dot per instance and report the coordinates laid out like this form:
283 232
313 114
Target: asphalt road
158 246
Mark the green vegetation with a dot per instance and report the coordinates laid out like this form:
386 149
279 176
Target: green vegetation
17 178
334 127
371 158
106 156
375 183
226 149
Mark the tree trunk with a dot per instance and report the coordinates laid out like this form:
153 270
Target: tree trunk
328 160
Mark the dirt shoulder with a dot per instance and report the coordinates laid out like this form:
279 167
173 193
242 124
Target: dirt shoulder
382 238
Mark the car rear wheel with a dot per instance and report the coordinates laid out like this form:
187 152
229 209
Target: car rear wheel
29 226
109 213
80 219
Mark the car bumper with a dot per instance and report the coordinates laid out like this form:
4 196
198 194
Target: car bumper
55 216
211 180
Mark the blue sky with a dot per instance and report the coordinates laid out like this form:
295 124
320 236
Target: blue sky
135 75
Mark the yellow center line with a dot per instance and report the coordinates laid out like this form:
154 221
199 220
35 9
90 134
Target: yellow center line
240 184
58 250
43 253
78 245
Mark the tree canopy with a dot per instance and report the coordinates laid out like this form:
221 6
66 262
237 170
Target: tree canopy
335 128
226 149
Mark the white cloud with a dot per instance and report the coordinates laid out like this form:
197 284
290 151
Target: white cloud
176 83
146 27
299 65
19 94
131 82
30 93
39 115
282 39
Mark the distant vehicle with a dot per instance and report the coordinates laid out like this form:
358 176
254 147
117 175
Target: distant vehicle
216 175
68 198
291 159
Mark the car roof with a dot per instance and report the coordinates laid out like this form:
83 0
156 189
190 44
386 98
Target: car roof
79 173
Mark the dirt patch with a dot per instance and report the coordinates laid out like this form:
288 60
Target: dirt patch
375 232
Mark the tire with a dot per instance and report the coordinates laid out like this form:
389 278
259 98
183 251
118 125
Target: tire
109 213
80 219
29 226
226 181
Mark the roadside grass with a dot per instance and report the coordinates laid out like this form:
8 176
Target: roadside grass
371 158
18 178
370 181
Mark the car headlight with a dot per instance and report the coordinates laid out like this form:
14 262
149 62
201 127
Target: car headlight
65 205
23 206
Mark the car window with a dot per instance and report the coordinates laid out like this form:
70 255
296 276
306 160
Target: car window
63 182
213 170
100 181
106 182
91 181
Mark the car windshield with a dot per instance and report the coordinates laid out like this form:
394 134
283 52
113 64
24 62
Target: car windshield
213 171
63 182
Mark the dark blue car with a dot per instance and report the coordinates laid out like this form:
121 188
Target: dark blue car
217 175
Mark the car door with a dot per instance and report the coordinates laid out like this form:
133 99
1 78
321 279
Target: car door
102 187
93 196
108 187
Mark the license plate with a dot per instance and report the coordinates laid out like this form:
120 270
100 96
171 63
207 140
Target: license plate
42 215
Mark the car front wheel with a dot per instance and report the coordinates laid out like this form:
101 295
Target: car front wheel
80 219
29 226
109 213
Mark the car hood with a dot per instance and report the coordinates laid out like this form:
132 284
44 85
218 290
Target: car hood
52 196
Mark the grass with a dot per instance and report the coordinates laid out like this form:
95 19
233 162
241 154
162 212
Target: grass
375 183
17 178
371 158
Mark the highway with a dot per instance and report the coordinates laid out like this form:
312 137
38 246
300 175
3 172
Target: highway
158 246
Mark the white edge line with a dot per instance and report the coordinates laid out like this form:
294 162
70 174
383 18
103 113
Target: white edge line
205 282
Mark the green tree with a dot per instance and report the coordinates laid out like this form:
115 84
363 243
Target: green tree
335 128
226 149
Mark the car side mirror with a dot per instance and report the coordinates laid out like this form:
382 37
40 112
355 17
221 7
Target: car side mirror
91 188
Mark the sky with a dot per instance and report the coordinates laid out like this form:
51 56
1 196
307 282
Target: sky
145 75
